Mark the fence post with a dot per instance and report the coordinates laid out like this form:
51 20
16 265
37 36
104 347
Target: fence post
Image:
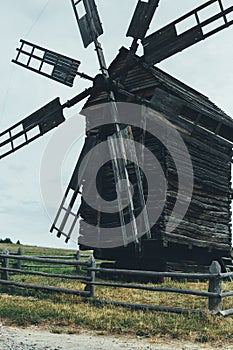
91 274
18 264
77 256
215 286
5 264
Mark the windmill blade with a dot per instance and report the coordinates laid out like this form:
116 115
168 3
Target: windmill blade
88 19
37 124
142 18
32 127
47 63
187 30
68 212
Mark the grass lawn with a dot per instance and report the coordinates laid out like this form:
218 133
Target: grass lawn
67 313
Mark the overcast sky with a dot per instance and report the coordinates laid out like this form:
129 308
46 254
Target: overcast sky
207 67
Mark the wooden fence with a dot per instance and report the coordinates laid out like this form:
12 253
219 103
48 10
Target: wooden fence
214 294
86 278
52 265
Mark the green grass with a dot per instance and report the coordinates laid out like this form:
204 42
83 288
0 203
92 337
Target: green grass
66 313
34 250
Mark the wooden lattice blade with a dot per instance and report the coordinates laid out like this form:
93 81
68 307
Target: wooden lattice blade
47 63
68 212
187 31
88 20
142 18
31 128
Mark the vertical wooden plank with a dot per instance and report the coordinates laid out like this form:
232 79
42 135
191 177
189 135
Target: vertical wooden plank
5 264
215 286
77 257
19 261
91 274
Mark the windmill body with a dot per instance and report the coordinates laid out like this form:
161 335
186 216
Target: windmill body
204 233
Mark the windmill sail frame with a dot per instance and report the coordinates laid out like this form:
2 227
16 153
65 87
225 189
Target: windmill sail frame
142 18
89 24
31 128
170 39
48 63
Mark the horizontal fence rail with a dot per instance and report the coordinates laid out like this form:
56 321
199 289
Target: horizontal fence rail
177 310
89 271
46 260
77 256
157 289
141 273
46 288
45 274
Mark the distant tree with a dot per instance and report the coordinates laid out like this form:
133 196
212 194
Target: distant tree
6 240
18 242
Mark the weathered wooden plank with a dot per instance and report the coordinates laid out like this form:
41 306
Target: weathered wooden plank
147 307
197 242
227 294
157 289
5 263
45 288
52 261
201 276
215 286
44 274
226 312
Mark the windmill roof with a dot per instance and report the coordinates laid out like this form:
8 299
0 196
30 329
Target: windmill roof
151 76
168 95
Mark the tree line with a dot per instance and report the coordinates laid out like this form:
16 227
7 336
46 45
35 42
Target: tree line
8 241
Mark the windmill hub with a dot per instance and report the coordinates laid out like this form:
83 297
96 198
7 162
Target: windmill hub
102 83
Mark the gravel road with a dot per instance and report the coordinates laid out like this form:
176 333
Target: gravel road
38 339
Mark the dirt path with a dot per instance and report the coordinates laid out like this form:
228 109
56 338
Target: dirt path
38 339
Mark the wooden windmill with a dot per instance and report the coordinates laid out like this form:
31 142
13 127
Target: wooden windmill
205 232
